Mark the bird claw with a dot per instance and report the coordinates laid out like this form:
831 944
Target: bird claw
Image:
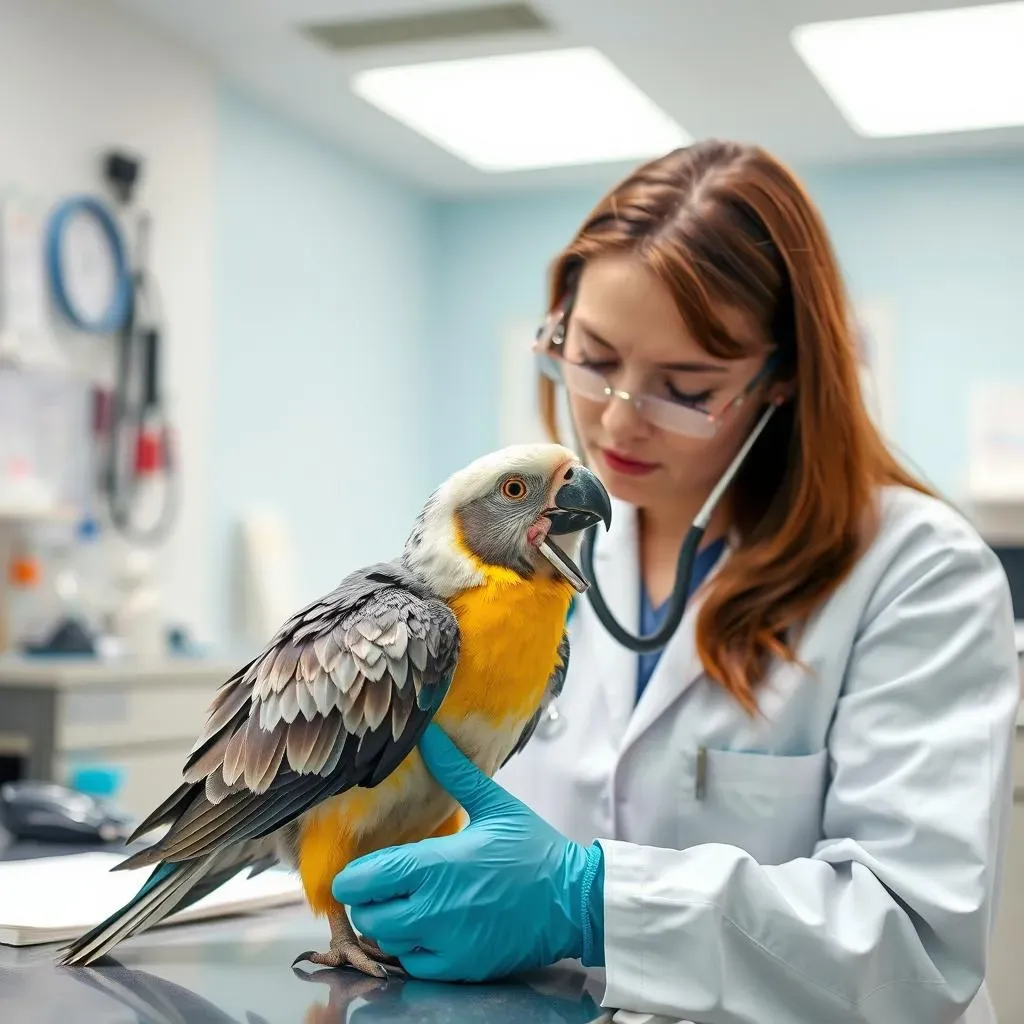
345 957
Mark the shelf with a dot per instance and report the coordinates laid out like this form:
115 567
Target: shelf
75 670
999 518
998 499
35 514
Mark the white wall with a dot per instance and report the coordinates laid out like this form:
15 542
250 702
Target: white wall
75 79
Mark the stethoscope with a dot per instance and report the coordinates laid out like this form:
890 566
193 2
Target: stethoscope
552 722
684 564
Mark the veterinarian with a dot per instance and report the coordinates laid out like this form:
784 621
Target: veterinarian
792 805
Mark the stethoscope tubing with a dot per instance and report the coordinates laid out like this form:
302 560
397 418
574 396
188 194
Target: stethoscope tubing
684 564
552 722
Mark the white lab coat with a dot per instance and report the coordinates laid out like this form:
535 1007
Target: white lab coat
842 862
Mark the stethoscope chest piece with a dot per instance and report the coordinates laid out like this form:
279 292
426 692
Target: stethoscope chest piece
552 722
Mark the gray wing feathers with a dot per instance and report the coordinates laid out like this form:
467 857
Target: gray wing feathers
331 669
338 698
553 691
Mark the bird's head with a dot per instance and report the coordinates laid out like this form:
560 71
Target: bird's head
523 508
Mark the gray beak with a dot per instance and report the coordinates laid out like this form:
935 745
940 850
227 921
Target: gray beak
581 502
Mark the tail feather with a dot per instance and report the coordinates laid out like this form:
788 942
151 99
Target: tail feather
160 895
168 811
171 887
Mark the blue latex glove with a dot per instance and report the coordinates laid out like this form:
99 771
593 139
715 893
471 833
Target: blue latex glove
507 893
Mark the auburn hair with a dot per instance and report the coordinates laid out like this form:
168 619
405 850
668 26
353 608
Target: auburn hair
722 223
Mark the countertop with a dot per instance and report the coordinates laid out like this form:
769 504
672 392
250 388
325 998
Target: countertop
75 670
238 971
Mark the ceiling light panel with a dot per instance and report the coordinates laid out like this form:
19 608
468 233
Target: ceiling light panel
922 73
521 111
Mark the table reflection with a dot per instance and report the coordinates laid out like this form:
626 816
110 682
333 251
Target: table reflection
237 970
118 993
372 1001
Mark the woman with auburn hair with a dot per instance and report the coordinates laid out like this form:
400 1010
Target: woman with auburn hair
796 808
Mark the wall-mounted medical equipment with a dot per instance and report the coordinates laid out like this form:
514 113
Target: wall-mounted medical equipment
102 284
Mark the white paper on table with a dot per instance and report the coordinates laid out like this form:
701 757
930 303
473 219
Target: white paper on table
52 899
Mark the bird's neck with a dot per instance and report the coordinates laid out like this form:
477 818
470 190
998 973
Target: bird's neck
435 551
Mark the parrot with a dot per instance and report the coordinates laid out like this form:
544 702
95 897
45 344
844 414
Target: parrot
308 757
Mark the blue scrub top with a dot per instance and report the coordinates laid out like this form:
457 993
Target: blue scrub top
651 618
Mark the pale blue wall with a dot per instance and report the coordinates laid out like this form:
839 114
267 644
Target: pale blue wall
942 243
494 257
321 296
357 358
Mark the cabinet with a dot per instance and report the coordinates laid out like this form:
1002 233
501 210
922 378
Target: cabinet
140 719
1005 977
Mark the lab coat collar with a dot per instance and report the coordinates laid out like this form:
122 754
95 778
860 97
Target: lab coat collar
678 668
617 567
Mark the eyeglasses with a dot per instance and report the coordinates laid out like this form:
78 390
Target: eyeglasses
678 417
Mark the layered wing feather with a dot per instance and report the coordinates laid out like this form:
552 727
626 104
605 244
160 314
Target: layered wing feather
337 699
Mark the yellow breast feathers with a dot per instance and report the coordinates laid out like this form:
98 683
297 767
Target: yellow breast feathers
510 629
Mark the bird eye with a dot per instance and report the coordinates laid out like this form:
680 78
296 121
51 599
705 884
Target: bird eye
514 488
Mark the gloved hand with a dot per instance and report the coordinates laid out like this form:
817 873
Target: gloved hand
507 893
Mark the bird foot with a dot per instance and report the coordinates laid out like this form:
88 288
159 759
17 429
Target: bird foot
347 954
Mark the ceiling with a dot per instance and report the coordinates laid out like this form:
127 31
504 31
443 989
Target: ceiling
719 67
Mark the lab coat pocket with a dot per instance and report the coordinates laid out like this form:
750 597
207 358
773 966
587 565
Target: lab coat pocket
767 804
